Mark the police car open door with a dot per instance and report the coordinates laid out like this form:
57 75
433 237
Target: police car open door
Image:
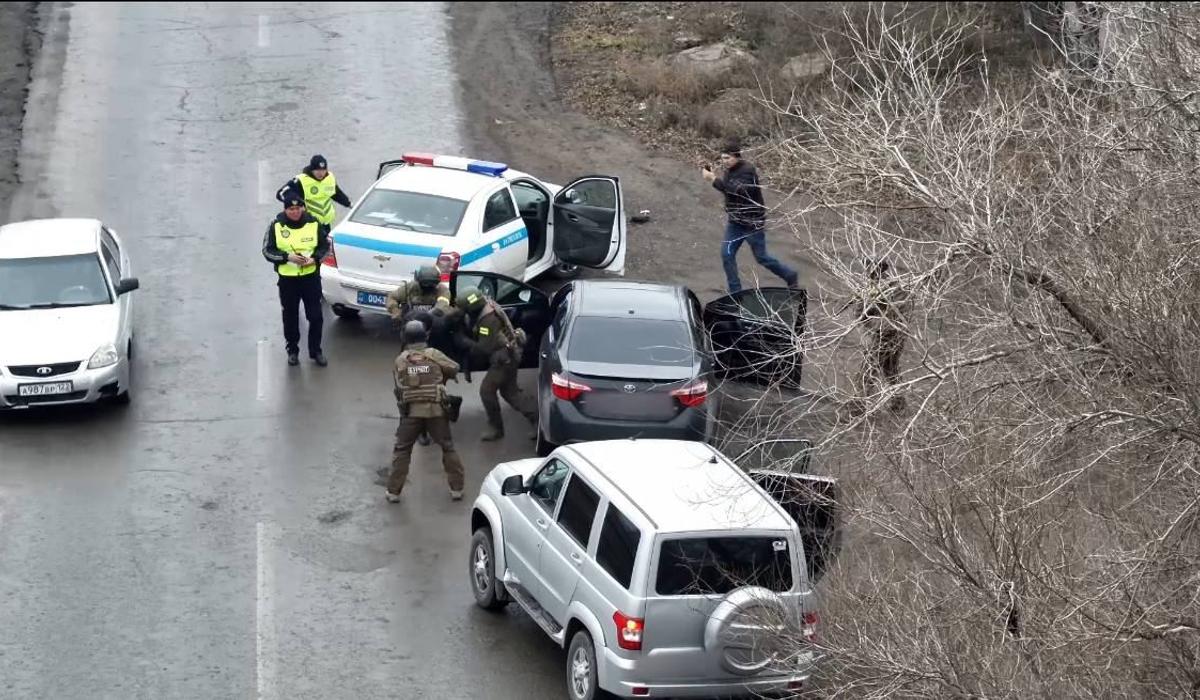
755 335
527 307
587 224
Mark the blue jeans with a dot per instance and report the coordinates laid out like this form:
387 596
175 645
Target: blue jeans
735 235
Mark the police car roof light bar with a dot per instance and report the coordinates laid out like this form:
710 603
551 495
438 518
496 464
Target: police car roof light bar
481 167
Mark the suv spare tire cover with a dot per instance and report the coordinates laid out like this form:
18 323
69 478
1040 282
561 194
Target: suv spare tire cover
746 630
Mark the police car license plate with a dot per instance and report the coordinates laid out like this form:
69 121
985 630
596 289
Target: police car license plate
372 299
46 389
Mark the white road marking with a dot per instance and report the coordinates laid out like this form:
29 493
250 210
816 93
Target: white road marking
264 620
264 34
263 175
262 370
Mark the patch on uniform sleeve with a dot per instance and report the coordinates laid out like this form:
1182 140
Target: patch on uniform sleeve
472 298
485 331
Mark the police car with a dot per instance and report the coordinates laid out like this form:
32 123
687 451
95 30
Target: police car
469 215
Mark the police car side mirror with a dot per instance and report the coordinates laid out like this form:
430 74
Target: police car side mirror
525 295
127 285
513 486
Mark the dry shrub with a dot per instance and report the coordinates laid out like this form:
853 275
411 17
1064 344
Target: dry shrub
1029 526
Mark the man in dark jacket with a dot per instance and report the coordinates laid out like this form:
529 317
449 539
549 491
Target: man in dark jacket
319 189
746 216
295 243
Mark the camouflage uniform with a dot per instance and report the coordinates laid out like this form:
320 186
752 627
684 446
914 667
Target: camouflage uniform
881 317
420 375
491 335
409 297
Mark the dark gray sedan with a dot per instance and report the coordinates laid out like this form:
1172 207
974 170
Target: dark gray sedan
619 359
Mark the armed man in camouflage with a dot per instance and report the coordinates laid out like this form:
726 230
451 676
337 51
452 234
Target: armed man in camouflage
881 317
424 298
488 333
420 375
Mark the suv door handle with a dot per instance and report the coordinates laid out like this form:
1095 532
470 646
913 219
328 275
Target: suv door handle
576 558
542 523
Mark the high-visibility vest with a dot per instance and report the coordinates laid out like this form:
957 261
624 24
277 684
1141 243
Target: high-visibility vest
301 241
318 196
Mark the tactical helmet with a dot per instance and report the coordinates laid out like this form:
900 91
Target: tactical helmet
470 300
427 277
414 332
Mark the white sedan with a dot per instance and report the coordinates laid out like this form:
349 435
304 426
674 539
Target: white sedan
469 215
66 317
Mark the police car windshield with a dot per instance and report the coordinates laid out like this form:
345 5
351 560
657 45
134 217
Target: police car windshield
48 283
411 211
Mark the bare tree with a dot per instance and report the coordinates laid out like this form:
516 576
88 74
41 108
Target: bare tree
1028 524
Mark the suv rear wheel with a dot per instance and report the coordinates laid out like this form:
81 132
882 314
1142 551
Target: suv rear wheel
483 572
583 680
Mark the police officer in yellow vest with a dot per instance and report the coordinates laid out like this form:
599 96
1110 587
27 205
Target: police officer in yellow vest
295 243
319 189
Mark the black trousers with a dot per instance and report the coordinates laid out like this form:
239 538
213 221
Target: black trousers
292 291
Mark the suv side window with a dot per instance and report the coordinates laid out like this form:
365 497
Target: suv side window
548 483
617 549
578 510
499 210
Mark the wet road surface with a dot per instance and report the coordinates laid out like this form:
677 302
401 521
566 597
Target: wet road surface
226 535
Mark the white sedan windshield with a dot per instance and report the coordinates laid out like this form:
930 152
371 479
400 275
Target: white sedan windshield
46 283
411 211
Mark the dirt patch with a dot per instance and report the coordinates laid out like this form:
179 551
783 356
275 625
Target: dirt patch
19 41
511 96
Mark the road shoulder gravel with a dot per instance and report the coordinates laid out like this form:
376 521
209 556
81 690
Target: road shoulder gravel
20 40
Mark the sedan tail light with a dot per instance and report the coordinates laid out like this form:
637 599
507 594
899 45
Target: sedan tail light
566 389
629 631
693 394
330 258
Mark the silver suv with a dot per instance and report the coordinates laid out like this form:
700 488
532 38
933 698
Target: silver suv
664 568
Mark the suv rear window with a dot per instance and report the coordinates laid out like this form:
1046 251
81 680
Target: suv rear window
411 211
617 549
707 565
630 341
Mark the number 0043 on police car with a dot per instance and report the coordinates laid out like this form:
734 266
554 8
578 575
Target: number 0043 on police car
372 299
44 389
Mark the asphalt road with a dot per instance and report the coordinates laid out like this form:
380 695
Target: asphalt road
226 536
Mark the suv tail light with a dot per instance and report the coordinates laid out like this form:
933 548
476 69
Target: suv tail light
566 389
693 394
629 631
447 263
330 258
810 626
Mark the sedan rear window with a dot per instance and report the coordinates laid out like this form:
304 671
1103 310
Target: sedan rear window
708 565
411 211
47 283
628 341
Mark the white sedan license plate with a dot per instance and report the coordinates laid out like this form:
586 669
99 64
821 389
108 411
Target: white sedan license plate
46 389
372 299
